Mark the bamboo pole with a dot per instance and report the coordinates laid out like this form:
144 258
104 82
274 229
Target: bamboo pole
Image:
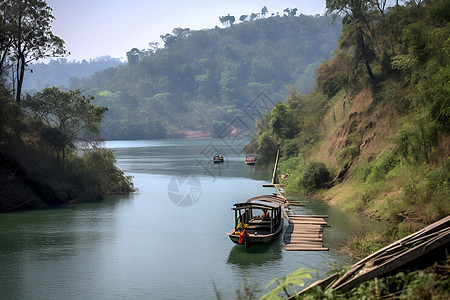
274 176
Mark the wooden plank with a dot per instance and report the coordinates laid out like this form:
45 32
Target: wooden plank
318 244
312 220
304 226
300 222
303 229
307 220
313 233
306 242
445 222
312 216
312 239
304 233
396 262
296 248
303 237
308 217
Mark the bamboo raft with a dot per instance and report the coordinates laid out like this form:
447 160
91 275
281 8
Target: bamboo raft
428 243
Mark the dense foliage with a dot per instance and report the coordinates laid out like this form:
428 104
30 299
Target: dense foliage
39 163
203 80
26 36
378 118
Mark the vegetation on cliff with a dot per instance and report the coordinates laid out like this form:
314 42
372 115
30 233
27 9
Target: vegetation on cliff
40 135
378 120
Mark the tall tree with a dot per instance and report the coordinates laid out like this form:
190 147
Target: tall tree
227 20
5 34
30 36
68 116
356 28
264 11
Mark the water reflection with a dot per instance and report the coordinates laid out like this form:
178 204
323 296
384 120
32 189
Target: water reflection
259 255
142 246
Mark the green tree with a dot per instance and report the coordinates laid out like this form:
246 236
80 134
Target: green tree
69 117
356 33
264 11
28 35
133 56
243 18
282 122
227 20
316 176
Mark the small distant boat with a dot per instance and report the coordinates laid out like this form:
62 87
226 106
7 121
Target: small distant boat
250 159
257 221
218 159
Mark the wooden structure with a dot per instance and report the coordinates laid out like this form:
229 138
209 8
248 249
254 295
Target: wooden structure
428 243
257 221
304 232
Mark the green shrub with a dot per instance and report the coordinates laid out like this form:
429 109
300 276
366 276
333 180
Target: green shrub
109 179
381 167
316 176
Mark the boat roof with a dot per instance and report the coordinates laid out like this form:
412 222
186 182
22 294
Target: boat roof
265 203
257 204
268 198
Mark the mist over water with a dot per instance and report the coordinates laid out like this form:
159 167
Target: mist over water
148 246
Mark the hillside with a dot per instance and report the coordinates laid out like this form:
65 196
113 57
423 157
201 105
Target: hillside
374 136
64 73
203 80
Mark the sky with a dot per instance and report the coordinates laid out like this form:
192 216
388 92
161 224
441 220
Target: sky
95 28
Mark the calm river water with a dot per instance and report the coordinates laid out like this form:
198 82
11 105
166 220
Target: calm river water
166 241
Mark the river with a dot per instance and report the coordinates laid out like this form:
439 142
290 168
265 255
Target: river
166 241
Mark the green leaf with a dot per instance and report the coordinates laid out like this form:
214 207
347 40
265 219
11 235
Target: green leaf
291 280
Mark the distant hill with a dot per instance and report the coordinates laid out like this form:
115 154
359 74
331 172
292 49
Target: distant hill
61 72
203 80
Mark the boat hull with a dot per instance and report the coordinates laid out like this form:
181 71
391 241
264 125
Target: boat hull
255 239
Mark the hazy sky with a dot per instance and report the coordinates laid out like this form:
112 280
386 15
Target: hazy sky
93 28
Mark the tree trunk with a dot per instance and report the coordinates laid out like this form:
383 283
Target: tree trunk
369 70
20 75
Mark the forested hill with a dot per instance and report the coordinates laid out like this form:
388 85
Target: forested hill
202 80
63 73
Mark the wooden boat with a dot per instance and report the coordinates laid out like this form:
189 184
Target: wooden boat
218 159
258 220
250 160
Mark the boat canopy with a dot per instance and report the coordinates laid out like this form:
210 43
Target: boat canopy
256 204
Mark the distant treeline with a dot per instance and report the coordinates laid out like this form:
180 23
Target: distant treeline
203 80
64 73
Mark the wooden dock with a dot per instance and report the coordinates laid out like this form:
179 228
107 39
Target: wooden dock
304 232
